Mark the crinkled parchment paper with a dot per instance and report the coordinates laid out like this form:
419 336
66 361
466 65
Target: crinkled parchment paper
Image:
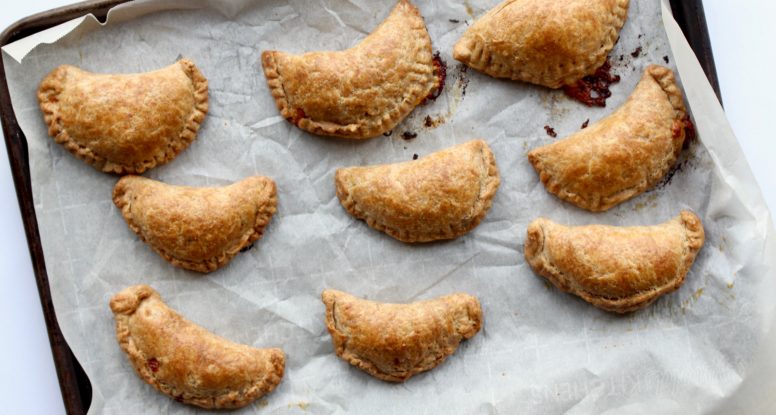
704 348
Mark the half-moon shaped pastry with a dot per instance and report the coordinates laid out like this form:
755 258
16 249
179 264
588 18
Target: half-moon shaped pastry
124 123
441 196
622 155
620 269
393 342
186 362
360 92
200 229
549 43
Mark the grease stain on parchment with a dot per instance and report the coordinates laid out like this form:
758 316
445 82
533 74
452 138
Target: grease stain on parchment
452 95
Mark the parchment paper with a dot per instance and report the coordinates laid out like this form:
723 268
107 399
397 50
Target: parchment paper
704 348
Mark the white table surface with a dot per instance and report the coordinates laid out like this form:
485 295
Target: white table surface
742 34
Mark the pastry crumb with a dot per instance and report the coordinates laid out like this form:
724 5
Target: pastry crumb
431 122
301 405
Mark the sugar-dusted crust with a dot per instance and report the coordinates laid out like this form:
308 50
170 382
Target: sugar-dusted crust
124 123
619 269
363 91
550 43
622 155
200 229
186 362
440 196
393 342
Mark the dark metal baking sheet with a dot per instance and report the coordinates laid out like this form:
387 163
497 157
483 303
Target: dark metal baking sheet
75 386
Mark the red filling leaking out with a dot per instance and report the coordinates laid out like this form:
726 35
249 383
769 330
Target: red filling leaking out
440 70
686 125
593 90
153 364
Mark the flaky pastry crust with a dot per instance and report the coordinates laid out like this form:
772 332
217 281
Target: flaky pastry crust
441 196
200 229
124 123
619 269
186 362
361 92
622 155
549 43
393 342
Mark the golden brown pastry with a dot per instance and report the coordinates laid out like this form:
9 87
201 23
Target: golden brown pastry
550 43
393 342
622 155
186 362
441 196
200 229
124 123
620 269
361 92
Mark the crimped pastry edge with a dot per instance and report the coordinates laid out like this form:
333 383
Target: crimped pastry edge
490 177
665 78
53 84
694 237
127 301
339 339
357 131
465 47
263 217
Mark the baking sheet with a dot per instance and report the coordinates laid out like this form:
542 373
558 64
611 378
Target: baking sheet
540 350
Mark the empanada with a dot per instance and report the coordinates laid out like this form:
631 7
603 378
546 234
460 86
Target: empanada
124 123
622 155
620 269
186 362
361 92
393 342
441 196
200 229
550 43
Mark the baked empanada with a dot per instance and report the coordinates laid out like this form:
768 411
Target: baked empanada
124 123
186 362
622 155
441 196
393 342
200 229
550 43
620 269
363 91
